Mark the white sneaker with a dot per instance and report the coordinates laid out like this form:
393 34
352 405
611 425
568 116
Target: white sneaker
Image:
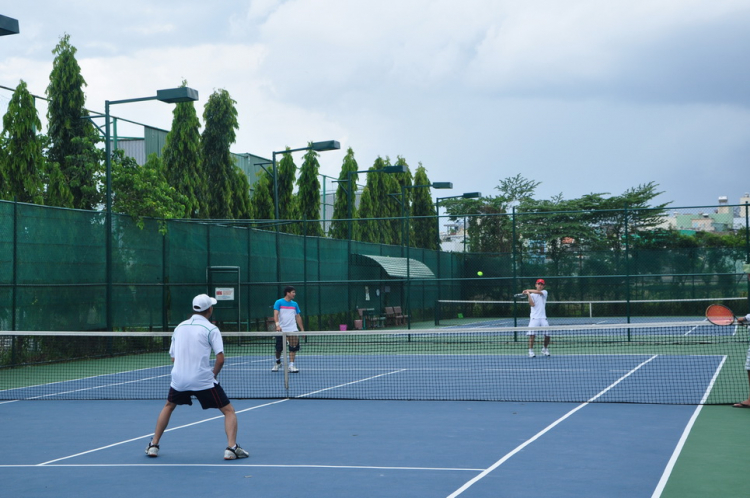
293 369
545 351
531 353
152 450
235 453
276 367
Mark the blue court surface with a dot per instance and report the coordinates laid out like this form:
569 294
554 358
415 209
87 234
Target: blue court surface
340 448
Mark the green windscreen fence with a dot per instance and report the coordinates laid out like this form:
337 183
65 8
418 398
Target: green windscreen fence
54 270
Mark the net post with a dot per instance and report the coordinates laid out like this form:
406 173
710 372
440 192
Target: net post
286 361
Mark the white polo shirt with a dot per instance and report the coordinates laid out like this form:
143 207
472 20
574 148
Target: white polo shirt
192 342
540 304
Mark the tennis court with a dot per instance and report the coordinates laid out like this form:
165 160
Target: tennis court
406 413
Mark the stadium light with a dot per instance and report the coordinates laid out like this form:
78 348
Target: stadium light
8 26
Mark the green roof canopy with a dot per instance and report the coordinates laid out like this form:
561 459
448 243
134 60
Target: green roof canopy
397 267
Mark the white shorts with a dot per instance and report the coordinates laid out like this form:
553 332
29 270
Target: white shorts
537 322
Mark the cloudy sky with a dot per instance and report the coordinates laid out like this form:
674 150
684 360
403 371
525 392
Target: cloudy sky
582 95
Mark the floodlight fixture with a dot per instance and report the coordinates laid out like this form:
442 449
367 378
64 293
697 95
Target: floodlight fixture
8 26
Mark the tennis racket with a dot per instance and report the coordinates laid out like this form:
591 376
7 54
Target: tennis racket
718 314
520 295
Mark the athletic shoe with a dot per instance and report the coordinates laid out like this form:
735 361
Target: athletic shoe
293 369
152 450
276 367
545 351
235 453
531 354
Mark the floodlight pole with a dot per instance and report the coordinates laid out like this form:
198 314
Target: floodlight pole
170 96
465 195
316 146
405 227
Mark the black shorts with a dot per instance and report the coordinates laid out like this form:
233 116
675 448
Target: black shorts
209 398
280 345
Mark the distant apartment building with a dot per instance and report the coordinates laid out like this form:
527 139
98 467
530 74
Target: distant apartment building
723 218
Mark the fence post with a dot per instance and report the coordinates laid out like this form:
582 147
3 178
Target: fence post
14 301
513 257
627 267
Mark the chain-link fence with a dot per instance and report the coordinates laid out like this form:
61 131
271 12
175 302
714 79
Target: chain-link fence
53 267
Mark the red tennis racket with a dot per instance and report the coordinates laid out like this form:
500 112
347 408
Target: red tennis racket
718 314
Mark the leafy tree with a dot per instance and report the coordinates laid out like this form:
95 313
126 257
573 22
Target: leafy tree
262 200
73 139
367 229
220 118
339 228
394 210
21 163
181 159
286 174
379 187
143 191
57 192
242 207
308 193
423 213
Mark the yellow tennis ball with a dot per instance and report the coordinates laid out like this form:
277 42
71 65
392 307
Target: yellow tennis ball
480 273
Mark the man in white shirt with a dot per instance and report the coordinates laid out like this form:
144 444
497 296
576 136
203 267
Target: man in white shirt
538 317
192 375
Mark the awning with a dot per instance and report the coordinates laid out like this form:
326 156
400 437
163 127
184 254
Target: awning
397 267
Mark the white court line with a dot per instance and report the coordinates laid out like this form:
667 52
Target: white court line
495 465
148 435
350 383
102 386
690 331
206 420
233 465
683 438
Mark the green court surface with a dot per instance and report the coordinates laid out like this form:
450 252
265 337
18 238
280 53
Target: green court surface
714 460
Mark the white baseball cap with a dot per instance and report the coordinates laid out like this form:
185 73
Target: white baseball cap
202 302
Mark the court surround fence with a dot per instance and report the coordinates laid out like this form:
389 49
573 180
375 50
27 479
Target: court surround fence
53 268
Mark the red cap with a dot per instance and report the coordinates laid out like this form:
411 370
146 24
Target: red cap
540 281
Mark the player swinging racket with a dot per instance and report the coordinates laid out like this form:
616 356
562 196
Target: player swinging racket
538 317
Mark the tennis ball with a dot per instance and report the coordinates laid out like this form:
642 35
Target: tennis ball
480 273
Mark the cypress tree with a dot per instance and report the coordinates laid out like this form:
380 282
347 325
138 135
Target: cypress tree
423 221
287 172
220 118
22 166
181 160
262 200
340 229
72 139
308 193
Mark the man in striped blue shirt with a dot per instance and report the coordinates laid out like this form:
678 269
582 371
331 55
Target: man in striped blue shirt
288 318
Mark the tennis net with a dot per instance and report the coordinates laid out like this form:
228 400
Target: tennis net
507 313
675 363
